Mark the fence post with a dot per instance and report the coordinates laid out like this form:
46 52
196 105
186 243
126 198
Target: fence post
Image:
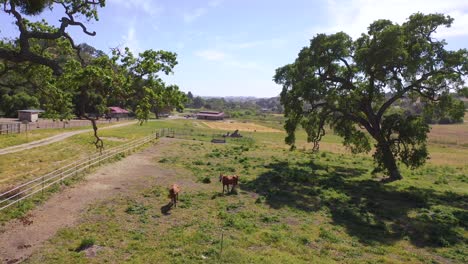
43 184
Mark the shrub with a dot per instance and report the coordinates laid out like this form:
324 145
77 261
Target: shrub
136 209
85 243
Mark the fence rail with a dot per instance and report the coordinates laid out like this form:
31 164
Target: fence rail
39 184
17 127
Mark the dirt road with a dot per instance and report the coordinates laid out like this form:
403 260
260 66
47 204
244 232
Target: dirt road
53 139
19 239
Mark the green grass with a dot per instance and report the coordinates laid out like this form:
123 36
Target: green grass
38 134
24 165
292 207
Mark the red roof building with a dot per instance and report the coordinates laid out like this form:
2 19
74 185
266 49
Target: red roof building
209 115
117 112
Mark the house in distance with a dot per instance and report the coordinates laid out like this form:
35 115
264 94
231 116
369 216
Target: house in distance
210 115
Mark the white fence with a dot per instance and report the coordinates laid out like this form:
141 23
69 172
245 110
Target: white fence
28 189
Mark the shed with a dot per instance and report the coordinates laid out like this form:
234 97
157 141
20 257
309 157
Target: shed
210 115
30 115
117 112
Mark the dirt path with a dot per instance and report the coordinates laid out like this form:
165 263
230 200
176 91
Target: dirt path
53 139
19 239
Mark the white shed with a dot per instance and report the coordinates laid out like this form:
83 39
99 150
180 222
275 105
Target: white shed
30 115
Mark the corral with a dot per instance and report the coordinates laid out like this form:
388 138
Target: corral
293 207
234 125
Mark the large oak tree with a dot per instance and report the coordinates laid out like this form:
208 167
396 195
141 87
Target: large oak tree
351 84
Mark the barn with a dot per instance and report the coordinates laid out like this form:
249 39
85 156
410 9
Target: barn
29 115
210 115
117 112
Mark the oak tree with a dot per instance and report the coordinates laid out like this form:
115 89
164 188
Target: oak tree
350 85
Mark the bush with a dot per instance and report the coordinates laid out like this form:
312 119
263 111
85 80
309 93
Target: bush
85 243
136 209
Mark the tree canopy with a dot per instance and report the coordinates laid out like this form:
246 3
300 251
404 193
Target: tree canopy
43 67
350 85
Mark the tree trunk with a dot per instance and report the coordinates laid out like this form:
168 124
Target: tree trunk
98 143
389 163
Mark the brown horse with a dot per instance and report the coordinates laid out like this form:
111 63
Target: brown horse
232 180
174 193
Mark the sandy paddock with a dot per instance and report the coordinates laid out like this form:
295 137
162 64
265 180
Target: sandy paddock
233 125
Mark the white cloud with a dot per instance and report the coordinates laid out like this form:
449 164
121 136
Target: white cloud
274 43
354 16
149 7
246 65
215 3
194 14
130 39
211 55
228 60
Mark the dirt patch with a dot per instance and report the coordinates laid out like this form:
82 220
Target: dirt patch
233 125
20 238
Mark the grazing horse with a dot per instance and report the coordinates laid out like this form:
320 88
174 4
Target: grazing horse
174 193
229 180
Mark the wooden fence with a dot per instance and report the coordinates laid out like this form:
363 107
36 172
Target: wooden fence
10 128
17 127
39 184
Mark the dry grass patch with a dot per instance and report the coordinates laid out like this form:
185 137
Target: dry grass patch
233 125
456 134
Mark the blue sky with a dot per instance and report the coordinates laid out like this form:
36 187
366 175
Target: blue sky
232 47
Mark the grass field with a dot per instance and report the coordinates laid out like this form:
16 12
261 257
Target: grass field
292 207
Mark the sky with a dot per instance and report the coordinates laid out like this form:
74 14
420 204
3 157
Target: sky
232 47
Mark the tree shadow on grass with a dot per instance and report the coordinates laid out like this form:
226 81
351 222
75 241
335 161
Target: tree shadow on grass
368 209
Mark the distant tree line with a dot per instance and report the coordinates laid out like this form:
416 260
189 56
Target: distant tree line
235 107
450 109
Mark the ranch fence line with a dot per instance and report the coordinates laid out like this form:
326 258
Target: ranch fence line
25 190
17 127
39 184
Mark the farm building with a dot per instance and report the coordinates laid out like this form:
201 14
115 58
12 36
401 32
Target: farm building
117 112
29 115
209 115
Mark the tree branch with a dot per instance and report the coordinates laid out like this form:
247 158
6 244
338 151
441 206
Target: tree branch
25 53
